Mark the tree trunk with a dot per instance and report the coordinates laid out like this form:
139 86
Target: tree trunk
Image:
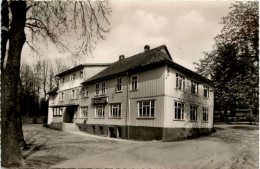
225 111
4 32
11 153
19 116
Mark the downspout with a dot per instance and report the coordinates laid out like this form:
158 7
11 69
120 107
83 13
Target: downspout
127 107
213 110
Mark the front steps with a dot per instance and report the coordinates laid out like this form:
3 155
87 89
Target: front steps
70 127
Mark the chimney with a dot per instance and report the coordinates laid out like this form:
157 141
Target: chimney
121 57
146 47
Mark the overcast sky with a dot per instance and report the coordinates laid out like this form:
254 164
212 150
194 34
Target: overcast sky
186 28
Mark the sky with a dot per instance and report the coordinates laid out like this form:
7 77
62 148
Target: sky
187 28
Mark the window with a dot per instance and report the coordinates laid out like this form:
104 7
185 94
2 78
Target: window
115 110
61 96
72 77
179 110
81 73
205 91
205 114
84 111
134 83
57 111
146 108
84 92
61 81
77 93
193 112
103 84
97 88
194 87
180 82
100 112
54 111
61 110
72 94
119 85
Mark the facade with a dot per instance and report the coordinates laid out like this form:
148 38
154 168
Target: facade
66 98
143 97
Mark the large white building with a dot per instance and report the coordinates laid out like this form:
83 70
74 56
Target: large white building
144 97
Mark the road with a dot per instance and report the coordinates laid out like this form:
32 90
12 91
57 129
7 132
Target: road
232 146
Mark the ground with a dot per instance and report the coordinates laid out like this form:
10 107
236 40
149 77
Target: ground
232 146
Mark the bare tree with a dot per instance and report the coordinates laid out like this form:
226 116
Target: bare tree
32 22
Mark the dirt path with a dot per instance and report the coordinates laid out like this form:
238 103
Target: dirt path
229 147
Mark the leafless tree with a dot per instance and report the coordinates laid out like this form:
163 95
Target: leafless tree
31 22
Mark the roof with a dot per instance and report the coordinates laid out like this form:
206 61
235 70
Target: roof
53 91
79 67
143 61
130 63
64 105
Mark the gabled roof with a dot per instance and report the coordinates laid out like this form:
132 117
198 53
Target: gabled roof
53 91
79 67
143 61
130 63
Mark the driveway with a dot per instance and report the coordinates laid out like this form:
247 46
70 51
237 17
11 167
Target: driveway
232 146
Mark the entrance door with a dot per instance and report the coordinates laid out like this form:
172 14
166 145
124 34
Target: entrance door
69 114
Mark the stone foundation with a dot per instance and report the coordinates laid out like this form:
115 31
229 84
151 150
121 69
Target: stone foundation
140 132
174 134
104 130
145 133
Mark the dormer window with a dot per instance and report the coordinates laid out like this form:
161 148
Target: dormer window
81 74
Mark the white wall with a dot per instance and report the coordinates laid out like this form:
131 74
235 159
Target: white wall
150 87
157 121
173 94
88 72
113 97
53 100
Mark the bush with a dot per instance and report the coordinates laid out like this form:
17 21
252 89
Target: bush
34 121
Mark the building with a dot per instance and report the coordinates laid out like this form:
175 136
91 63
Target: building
143 97
65 99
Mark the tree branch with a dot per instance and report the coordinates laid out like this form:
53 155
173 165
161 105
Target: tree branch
32 48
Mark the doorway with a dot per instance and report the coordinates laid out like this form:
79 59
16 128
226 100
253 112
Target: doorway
69 114
111 132
119 132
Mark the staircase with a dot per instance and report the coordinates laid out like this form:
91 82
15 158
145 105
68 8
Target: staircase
70 127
